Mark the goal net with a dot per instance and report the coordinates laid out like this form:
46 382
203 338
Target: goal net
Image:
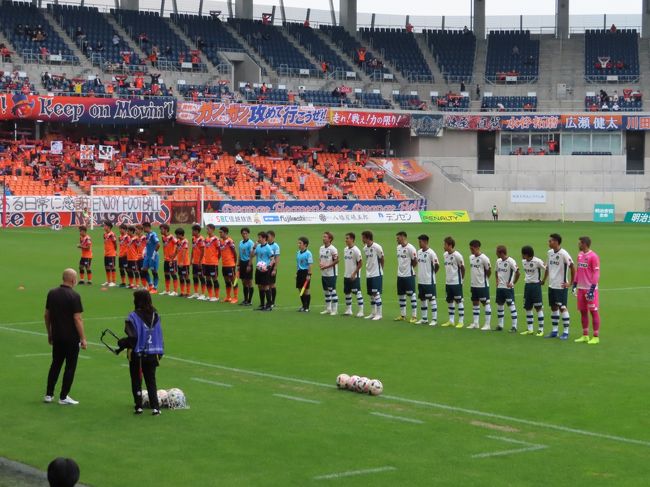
181 205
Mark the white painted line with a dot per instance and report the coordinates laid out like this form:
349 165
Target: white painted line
124 365
25 355
295 398
499 427
352 473
211 382
397 418
444 407
528 447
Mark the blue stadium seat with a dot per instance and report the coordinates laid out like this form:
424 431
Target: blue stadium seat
622 49
400 48
454 51
512 53
509 103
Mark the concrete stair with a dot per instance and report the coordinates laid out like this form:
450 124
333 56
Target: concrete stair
480 58
124 35
268 74
438 78
248 163
76 188
222 194
179 32
84 62
379 54
361 75
305 52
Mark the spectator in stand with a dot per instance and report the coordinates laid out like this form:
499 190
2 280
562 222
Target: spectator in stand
379 195
306 23
302 179
613 29
604 98
142 38
409 27
605 107
116 40
324 67
478 92
462 86
361 56
19 30
79 34
501 107
515 50
466 30
614 97
5 53
615 107
263 89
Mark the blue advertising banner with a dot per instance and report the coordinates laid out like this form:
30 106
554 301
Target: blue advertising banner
426 125
297 206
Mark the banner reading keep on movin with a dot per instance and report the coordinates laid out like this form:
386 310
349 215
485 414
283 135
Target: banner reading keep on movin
92 110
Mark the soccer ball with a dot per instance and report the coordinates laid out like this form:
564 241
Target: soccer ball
342 381
145 399
352 382
261 266
176 398
163 398
375 387
362 385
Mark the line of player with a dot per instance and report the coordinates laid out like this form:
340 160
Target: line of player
422 265
416 275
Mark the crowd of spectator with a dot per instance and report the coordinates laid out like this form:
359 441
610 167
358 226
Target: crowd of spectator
605 102
15 82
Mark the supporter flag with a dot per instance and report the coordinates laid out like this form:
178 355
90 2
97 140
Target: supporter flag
99 166
56 147
86 152
106 152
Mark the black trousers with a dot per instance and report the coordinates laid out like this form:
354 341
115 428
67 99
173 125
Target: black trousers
67 352
148 366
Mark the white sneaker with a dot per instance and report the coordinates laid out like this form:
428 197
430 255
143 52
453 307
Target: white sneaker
486 327
202 298
47 399
214 300
163 293
433 323
105 283
473 326
333 313
377 318
68 401
111 284
360 314
172 293
193 296
369 317
326 311
348 312
423 322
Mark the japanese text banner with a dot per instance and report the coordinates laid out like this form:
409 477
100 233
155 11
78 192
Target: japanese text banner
236 115
357 118
596 123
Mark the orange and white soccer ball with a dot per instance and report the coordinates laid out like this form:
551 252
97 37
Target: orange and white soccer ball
342 381
375 387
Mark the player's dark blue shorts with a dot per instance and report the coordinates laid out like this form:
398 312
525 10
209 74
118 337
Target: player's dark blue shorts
109 263
170 267
85 262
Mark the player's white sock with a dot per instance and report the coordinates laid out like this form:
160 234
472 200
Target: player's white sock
488 314
540 319
402 304
513 314
434 309
461 312
378 304
500 315
566 320
360 299
529 319
452 312
424 309
327 300
414 305
348 301
476 310
335 302
555 319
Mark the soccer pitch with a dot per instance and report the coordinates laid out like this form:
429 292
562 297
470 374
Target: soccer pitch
460 407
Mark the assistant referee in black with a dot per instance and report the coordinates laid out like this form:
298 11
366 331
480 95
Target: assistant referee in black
65 333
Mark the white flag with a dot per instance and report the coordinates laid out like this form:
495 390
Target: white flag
56 147
99 166
106 152
86 152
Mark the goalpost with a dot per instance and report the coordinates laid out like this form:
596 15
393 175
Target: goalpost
136 204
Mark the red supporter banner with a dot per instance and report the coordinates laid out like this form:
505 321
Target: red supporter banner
356 118
403 169
75 109
236 115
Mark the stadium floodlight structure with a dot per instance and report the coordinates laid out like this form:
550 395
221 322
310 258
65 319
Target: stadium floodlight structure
136 204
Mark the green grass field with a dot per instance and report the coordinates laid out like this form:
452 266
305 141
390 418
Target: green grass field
569 414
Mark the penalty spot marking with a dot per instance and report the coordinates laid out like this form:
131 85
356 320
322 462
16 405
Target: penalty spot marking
397 418
298 399
444 407
211 382
352 473
527 447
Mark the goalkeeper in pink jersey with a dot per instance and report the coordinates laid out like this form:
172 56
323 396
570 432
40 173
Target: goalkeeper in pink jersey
586 284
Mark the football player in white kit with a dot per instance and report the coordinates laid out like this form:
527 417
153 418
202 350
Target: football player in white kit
374 273
407 261
329 260
533 281
454 275
351 276
480 281
427 267
507 275
558 265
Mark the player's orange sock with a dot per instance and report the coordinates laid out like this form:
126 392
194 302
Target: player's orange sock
196 288
90 275
209 292
203 289
113 276
227 293
217 292
81 275
236 293
175 285
108 276
183 288
131 281
144 283
166 284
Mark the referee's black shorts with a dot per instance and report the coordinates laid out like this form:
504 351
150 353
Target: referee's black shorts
301 277
262 278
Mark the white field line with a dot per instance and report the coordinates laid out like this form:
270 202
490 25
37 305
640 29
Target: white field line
25 355
295 398
352 473
211 382
527 447
397 418
434 405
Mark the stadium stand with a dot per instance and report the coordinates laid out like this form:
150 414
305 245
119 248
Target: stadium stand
208 34
325 98
270 43
16 83
512 56
354 49
24 25
451 102
454 51
400 48
216 93
372 100
330 61
509 103
630 101
409 102
611 54
121 86
258 93
164 48
97 38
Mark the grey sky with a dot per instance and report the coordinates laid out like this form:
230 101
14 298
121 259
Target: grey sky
493 7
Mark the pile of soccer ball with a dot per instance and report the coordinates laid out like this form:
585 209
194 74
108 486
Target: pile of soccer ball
173 399
374 387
